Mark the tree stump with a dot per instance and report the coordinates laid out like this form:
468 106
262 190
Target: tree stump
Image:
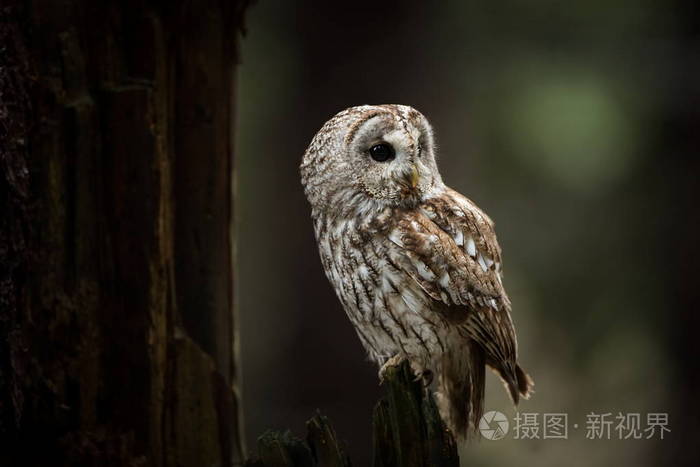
408 432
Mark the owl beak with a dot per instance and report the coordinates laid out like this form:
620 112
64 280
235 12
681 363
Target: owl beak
414 176
410 178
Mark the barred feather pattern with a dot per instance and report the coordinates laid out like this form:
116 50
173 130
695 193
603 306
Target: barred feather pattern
416 266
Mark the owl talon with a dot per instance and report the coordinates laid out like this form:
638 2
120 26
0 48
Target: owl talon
393 361
426 376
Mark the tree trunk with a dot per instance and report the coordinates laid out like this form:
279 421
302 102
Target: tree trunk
117 326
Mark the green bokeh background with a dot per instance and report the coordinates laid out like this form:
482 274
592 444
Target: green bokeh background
557 118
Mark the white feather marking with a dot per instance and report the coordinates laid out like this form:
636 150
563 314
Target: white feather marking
444 280
471 247
424 271
459 238
488 261
395 237
480 259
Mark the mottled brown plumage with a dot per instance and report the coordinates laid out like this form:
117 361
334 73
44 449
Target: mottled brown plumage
415 264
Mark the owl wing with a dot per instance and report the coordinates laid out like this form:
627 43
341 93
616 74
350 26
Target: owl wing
449 247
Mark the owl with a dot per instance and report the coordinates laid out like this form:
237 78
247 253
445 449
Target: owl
415 264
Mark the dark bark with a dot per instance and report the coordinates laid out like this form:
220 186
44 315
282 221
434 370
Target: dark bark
408 430
118 332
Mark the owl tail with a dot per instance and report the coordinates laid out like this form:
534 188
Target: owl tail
516 381
460 391
524 383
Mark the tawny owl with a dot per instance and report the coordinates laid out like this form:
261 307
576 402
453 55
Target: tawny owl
415 264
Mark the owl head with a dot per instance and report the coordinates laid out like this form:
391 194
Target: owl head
370 157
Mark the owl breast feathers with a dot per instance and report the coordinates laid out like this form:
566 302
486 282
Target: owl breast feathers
416 265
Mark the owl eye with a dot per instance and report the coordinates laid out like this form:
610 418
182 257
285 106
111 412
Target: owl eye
382 152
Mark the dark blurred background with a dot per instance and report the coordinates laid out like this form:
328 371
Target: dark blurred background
573 124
